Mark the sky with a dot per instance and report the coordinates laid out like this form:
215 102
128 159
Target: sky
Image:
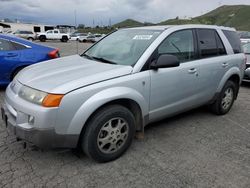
99 12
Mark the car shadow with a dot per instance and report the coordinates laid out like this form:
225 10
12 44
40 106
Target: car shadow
170 121
245 84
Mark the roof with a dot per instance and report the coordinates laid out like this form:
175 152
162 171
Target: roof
185 26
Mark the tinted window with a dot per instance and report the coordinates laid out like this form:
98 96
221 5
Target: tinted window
220 45
180 44
55 31
5 45
207 42
234 40
17 46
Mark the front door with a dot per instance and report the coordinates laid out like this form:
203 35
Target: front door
175 89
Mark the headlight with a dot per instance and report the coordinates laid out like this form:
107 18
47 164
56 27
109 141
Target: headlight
40 97
32 95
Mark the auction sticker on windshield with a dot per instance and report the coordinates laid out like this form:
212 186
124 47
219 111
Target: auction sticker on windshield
142 37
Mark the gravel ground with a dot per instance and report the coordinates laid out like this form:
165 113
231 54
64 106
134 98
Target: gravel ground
194 149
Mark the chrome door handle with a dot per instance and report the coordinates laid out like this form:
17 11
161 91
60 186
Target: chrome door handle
225 64
192 71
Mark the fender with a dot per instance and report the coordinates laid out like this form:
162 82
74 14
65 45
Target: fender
99 99
227 75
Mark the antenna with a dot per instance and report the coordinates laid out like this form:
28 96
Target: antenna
77 42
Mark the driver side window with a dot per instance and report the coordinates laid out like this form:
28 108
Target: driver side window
179 44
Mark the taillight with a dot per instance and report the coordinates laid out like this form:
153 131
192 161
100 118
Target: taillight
54 54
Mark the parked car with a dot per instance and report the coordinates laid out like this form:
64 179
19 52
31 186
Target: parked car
53 35
77 36
83 37
246 48
244 36
29 35
17 53
131 78
93 38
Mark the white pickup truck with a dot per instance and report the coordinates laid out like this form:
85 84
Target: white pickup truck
53 35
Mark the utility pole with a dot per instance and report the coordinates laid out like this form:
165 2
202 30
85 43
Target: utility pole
77 43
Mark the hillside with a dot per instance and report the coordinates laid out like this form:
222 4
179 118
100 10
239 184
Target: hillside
237 16
128 23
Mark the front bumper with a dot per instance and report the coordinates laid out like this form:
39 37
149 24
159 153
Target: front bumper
41 131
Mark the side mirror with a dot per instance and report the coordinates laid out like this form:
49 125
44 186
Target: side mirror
165 61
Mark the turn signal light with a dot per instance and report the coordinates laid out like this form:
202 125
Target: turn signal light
52 100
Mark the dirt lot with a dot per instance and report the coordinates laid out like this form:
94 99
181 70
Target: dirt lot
194 149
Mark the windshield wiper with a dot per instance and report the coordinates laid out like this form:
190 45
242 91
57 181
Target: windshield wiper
103 60
87 56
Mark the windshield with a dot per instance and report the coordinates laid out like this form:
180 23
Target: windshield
246 48
123 47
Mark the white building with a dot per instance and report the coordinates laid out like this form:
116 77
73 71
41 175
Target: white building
23 26
7 26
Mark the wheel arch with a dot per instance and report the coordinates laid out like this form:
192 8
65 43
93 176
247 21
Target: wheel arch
126 97
17 68
232 74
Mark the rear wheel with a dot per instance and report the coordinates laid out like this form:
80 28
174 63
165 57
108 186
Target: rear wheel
109 133
30 38
64 39
15 72
226 98
42 38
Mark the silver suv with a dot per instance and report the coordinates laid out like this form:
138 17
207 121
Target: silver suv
98 100
29 35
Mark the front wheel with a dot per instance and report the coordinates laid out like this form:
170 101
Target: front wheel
109 133
225 99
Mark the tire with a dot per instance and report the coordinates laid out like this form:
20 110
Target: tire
42 38
103 127
225 99
15 72
30 38
64 39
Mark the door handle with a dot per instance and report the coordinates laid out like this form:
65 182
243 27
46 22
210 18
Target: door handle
192 70
225 64
11 55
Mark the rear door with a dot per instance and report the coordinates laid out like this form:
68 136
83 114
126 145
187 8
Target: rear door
57 35
212 64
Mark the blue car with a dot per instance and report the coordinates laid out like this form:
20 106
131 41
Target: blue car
17 53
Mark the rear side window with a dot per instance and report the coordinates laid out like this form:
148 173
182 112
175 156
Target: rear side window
17 46
220 46
234 40
207 43
5 45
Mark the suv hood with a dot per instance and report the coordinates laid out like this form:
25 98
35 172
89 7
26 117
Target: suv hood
68 73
